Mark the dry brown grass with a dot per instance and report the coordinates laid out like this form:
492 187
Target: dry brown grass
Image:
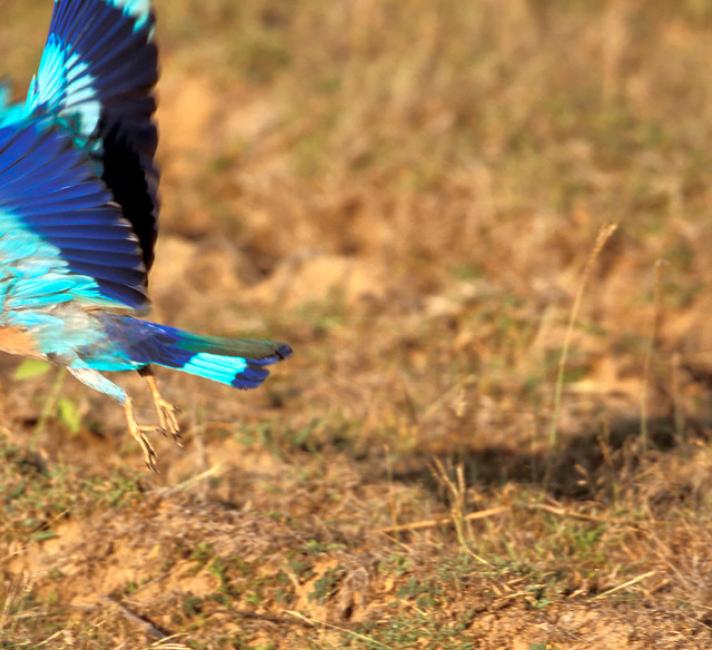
409 198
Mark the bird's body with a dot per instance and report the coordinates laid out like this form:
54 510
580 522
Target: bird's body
78 215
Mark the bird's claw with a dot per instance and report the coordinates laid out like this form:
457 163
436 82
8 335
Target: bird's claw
167 413
138 433
168 421
149 454
167 424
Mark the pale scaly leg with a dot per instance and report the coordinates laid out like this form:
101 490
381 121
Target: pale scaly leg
98 382
139 434
164 409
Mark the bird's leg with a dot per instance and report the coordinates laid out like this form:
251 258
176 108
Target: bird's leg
97 381
139 434
165 410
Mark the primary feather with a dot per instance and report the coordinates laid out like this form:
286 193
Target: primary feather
96 79
61 237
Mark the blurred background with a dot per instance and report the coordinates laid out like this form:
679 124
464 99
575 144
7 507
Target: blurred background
410 194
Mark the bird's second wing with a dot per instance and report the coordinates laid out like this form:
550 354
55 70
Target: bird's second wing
96 80
62 239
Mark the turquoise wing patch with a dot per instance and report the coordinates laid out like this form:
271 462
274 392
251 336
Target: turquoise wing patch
61 237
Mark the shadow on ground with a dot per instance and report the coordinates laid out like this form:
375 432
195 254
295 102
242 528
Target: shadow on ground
593 464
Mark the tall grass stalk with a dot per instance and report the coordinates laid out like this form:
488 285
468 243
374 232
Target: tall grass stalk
650 350
604 234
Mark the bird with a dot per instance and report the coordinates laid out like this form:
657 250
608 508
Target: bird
79 212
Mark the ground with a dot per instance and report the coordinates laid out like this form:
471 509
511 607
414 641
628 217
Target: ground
486 230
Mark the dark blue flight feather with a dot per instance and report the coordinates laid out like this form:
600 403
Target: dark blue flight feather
97 76
70 211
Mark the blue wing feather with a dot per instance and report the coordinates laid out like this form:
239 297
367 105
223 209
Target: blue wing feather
80 242
96 79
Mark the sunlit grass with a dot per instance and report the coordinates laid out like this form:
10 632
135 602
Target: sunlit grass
407 197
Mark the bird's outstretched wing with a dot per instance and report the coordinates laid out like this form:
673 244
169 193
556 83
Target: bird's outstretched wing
62 238
95 80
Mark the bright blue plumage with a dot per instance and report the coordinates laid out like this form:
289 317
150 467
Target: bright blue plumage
78 214
136 343
57 222
96 79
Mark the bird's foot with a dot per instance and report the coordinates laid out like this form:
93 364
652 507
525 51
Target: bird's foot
138 432
165 410
167 419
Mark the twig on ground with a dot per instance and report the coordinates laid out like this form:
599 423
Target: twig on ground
211 472
626 584
372 643
270 618
561 512
443 521
498 510
147 626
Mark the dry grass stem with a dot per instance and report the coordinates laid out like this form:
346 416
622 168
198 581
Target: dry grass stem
625 585
372 643
650 351
605 233
444 521
561 512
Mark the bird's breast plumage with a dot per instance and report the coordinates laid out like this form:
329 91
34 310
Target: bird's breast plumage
15 340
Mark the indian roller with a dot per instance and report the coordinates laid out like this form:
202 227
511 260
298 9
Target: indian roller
79 215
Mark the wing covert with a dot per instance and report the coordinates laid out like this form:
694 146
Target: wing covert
61 237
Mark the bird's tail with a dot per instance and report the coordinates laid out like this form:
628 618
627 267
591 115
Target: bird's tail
240 363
